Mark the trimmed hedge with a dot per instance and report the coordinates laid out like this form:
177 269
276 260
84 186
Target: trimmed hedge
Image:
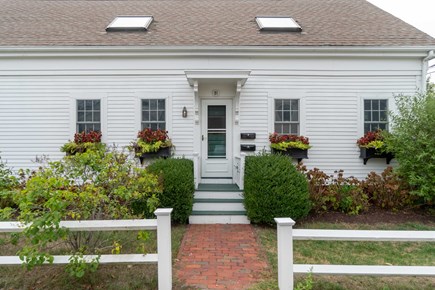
177 180
274 188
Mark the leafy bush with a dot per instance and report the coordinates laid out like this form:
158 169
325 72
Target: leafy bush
387 190
274 188
351 198
176 176
349 195
335 192
8 184
413 142
92 185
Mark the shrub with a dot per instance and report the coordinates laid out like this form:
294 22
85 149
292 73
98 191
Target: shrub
176 176
351 198
8 185
320 195
387 190
274 188
90 185
335 192
413 142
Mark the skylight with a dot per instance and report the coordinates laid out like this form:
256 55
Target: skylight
130 23
277 23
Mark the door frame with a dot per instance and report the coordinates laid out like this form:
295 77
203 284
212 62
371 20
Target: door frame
217 167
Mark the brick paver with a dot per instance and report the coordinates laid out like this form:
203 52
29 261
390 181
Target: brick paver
220 257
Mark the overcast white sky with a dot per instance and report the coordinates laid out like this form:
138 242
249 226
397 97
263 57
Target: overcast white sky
419 13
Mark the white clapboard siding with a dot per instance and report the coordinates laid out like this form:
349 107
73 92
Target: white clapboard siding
330 115
36 117
36 96
254 116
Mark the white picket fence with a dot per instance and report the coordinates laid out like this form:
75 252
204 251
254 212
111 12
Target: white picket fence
286 234
162 225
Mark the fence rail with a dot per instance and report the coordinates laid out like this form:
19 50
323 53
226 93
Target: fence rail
286 268
163 257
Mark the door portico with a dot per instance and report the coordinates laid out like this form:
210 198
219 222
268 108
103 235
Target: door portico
216 120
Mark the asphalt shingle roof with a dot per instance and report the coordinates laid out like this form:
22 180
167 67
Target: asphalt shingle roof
203 23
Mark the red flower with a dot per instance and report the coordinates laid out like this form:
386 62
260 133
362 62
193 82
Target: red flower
277 138
370 136
152 136
83 137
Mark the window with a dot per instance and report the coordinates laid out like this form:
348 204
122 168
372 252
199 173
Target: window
287 116
88 115
375 115
130 23
277 23
153 114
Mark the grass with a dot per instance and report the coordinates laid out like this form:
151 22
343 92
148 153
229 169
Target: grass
353 253
107 276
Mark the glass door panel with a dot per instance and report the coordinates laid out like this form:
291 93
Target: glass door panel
216 131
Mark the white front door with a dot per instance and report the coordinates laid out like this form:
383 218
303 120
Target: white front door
216 131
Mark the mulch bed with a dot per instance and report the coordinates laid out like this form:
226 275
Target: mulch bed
373 216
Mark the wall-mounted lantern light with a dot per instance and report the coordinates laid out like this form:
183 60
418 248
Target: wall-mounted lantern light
184 113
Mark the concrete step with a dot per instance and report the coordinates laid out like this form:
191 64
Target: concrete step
218 195
218 187
218 206
218 200
216 180
218 219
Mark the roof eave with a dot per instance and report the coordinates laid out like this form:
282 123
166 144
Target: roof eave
125 51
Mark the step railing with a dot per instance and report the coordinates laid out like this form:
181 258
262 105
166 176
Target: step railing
162 225
239 170
286 234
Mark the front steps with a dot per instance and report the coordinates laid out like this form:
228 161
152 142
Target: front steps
218 204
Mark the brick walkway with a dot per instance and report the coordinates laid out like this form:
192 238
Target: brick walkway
219 257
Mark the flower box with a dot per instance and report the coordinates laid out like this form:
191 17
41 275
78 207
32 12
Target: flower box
164 152
82 142
291 145
296 153
367 153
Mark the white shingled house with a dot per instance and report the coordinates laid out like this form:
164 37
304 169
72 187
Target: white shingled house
220 76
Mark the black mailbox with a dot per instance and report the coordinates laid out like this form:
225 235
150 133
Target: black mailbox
247 135
247 147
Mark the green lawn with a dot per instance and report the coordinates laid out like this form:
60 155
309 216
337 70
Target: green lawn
107 276
354 253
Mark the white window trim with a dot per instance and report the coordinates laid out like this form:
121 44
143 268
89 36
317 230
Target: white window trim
88 96
290 95
374 96
153 95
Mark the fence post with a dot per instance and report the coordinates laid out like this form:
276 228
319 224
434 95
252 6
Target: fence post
242 170
164 248
285 252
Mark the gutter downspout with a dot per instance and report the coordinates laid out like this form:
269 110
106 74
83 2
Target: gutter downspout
426 60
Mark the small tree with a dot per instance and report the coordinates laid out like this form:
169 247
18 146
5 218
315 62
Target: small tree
95 184
413 141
